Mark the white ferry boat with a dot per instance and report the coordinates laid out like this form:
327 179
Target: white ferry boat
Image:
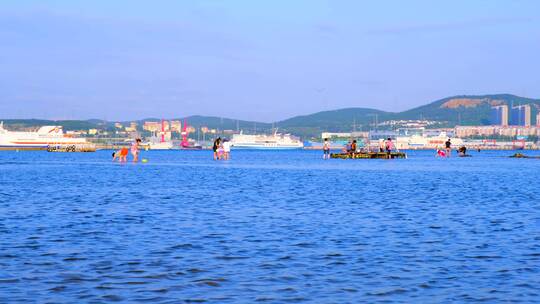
425 142
38 140
275 141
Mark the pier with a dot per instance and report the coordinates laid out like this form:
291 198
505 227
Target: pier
369 155
72 148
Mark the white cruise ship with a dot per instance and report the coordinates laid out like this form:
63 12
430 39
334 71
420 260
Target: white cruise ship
275 141
38 140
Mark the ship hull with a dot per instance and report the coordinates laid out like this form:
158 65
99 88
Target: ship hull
23 148
264 147
40 140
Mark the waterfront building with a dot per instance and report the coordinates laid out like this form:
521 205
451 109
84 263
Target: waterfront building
491 131
118 125
521 116
176 125
343 135
132 127
381 134
538 119
499 115
152 126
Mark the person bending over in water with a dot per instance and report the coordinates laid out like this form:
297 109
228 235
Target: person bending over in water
135 149
462 151
440 153
121 155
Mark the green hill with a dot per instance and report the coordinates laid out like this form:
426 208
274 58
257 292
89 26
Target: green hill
450 111
465 109
343 120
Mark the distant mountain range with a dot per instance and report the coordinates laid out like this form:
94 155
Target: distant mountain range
450 111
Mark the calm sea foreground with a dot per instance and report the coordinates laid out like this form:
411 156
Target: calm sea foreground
268 226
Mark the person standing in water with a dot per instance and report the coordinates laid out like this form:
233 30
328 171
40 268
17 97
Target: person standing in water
226 149
448 146
135 149
382 145
326 149
215 147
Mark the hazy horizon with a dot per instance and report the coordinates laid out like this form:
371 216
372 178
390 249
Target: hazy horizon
263 61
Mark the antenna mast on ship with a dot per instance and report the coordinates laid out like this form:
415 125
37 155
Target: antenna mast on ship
162 130
185 142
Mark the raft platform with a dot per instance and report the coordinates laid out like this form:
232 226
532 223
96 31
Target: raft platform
520 155
369 155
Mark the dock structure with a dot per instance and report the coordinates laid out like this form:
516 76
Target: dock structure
369 155
72 148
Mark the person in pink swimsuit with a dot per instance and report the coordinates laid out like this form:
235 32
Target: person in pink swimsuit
135 150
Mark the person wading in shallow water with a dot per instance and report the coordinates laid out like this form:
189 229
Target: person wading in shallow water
227 149
215 147
448 146
326 149
135 150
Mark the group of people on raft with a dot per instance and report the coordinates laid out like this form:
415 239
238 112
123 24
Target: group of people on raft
122 154
352 147
388 146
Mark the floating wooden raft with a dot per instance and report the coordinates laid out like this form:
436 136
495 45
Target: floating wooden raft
72 148
520 155
369 155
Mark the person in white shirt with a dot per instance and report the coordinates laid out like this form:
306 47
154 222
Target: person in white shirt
326 149
227 149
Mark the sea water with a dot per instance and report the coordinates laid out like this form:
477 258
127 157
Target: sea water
268 227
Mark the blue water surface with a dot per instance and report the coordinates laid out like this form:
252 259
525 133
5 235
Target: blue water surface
266 226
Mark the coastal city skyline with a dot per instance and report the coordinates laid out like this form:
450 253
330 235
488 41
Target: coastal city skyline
258 61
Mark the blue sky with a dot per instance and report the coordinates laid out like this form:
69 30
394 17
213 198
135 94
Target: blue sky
258 60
